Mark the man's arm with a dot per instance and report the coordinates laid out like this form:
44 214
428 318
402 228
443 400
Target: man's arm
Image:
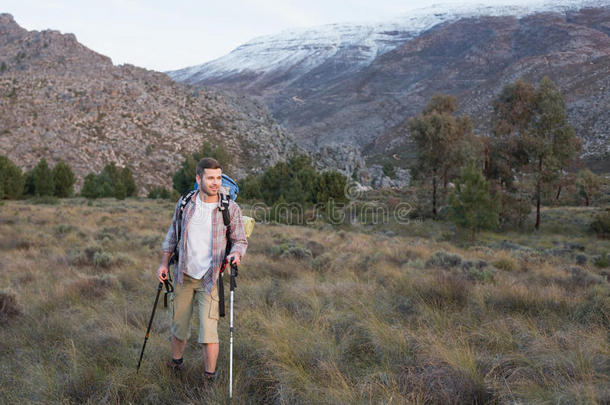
168 246
238 234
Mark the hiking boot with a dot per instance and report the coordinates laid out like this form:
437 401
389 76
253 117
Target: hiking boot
209 378
172 365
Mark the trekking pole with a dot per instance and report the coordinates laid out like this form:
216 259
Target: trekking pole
168 289
233 286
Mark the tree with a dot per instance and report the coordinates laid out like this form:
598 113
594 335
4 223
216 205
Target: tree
590 185
442 142
11 179
63 178
532 137
90 187
128 182
471 204
331 185
120 191
553 142
250 187
43 179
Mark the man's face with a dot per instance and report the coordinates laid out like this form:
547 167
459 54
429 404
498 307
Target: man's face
210 181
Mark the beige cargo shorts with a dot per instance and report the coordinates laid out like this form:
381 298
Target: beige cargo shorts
186 296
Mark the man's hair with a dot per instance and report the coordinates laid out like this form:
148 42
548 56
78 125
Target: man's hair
207 163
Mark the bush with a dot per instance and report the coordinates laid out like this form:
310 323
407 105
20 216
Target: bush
471 204
389 170
601 224
8 307
42 177
90 187
63 178
602 261
11 179
444 259
506 264
111 182
159 193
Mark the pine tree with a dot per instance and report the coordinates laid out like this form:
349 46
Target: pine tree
43 179
90 187
471 204
63 178
128 182
120 191
11 179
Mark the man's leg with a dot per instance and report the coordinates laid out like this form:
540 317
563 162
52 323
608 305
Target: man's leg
183 311
208 328
177 348
210 356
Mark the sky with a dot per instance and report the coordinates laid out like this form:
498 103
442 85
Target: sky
172 34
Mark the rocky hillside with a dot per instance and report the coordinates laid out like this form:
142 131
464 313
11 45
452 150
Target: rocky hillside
59 99
470 55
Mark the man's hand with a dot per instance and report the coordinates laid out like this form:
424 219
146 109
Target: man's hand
162 273
234 258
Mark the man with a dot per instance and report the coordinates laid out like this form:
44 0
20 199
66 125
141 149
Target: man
201 247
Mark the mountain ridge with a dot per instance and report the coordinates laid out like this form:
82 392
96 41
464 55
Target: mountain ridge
61 100
365 105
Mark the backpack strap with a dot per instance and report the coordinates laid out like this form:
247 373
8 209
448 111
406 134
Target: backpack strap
226 218
185 199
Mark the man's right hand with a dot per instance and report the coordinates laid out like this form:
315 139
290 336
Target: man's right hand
162 273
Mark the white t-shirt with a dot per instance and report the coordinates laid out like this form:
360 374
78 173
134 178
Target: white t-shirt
199 239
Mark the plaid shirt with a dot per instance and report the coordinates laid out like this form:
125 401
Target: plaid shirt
219 239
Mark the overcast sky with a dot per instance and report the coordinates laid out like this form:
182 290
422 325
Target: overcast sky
172 34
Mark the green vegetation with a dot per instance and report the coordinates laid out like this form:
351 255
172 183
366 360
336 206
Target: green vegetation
471 203
294 182
159 193
42 178
532 139
63 178
443 144
11 179
111 182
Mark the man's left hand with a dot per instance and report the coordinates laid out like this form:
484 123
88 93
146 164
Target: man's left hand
234 258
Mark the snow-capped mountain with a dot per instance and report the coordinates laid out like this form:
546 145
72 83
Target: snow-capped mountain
356 84
302 50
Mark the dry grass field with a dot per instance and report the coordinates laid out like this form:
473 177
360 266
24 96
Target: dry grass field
322 316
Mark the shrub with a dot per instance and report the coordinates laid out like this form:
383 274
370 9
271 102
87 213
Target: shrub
126 178
602 260
63 179
506 264
42 177
8 306
11 179
389 170
471 204
90 187
601 224
159 193
444 259
102 259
